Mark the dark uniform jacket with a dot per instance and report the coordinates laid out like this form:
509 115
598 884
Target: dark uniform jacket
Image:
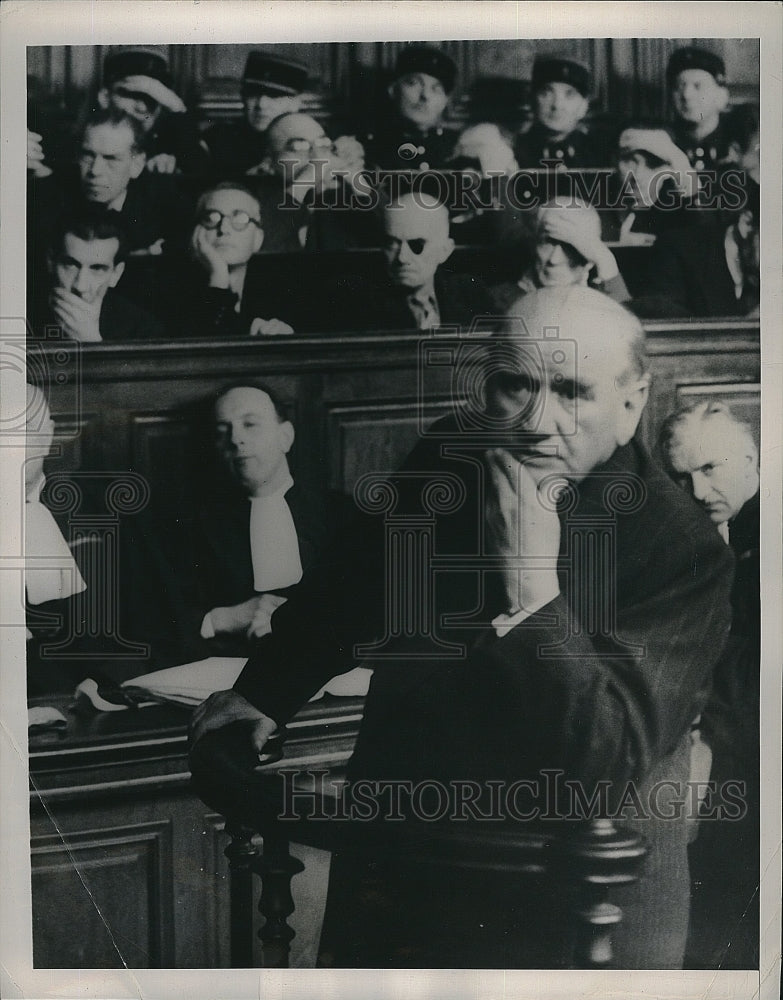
400 145
552 692
234 147
177 134
706 153
579 149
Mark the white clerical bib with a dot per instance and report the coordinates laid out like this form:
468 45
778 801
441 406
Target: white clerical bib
274 547
50 570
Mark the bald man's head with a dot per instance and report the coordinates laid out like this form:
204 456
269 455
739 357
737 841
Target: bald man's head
295 136
566 380
416 239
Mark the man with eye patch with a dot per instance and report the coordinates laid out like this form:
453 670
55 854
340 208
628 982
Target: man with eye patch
416 292
547 459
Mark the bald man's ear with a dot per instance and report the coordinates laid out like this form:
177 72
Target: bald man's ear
447 249
635 396
103 98
258 240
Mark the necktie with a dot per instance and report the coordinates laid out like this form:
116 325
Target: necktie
274 547
425 311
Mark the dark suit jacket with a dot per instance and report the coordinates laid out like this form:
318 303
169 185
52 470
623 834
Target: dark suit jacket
688 276
373 303
613 707
328 228
120 319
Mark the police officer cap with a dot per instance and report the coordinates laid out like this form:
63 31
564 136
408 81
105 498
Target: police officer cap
555 69
693 58
426 59
280 77
135 62
143 70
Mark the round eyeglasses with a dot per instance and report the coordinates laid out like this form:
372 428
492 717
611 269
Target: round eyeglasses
239 221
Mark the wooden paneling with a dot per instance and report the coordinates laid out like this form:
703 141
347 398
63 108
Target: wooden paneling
77 879
356 402
374 438
744 399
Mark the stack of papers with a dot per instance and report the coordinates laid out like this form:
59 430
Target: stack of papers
191 683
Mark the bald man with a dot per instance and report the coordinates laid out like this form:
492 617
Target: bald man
713 456
305 186
549 453
415 291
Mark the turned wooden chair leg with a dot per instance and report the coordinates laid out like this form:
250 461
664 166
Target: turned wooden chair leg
241 854
276 867
599 857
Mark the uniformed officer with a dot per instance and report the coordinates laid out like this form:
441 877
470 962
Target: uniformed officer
696 79
561 91
414 137
271 86
137 82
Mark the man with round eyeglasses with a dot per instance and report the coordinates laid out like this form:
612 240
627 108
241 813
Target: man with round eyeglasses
228 232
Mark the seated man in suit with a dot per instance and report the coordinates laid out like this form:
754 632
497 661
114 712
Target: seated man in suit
256 531
228 233
305 189
138 83
412 291
111 177
569 250
561 98
524 686
713 455
696 79
86 261
414 136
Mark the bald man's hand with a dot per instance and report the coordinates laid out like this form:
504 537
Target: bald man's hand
350 152
519 523
225 707
163 163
